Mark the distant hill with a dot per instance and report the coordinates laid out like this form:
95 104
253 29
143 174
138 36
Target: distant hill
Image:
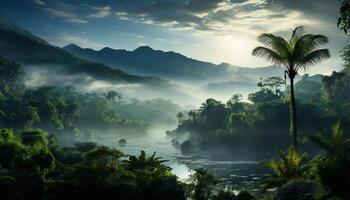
22 47
308 89
170 65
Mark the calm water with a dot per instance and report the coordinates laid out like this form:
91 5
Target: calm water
234 175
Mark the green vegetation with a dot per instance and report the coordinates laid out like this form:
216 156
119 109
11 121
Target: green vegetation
34 122
229 129
291 167
301 52
33 166
327 172
62 111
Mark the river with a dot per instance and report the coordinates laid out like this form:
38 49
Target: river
234 175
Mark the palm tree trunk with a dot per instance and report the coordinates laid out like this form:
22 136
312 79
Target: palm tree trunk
293 113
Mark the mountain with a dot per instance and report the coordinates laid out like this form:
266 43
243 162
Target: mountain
26 49
47 65
147 61
170 65
308 88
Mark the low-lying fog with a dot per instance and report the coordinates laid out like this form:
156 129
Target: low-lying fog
184 93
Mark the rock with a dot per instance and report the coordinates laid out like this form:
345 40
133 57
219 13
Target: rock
122 142
296 191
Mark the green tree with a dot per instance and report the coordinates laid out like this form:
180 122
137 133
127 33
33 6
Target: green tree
201 184
344 18
300 52
274 83
263 95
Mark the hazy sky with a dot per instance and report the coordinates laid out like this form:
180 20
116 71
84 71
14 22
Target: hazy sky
211 30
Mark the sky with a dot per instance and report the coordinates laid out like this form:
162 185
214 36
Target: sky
210 30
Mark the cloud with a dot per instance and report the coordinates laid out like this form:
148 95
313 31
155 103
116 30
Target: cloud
40 2
77 21
67 12
122 16
101 12
218 16
59 13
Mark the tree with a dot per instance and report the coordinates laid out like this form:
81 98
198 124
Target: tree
344 18
103 156
300 52
201 183
274 83
180 117
262 96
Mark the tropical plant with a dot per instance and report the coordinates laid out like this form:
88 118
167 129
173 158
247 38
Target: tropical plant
331 168
291 166
147 162
335 144
300 52
201 184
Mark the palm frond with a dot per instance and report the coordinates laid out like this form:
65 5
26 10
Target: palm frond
337 134
319 39
319 141
298 32
313 58
276 43
269 55
271 182
306 44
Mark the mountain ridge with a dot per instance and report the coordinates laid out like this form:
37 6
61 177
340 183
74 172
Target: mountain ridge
171 65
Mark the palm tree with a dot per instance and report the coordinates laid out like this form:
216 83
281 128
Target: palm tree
291 166
335 144
300 52
143 161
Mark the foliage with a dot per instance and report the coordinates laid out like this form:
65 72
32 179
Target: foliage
151 163
344 18
262 96
33 167
228 195
63 111
331 168
274 83
201 184
224 195
291 166
334 144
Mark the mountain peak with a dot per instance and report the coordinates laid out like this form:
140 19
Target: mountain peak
72 46
106 49
144 48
